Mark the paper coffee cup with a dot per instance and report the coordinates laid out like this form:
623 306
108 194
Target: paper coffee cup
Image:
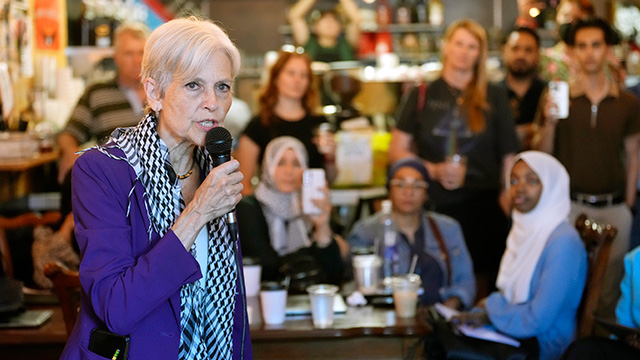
252 274
273 302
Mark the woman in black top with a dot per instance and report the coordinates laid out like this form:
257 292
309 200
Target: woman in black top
287 107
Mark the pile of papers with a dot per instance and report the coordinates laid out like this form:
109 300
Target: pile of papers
486 332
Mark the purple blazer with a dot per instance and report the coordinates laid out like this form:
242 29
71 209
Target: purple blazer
130 285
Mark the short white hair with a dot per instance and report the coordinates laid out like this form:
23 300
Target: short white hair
180 48
135 29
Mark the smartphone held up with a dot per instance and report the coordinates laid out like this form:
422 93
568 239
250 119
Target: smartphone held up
559 94
313 180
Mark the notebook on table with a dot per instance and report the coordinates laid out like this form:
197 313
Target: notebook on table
29 318
301 305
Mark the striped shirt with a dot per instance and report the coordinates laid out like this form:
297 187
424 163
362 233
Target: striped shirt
102 108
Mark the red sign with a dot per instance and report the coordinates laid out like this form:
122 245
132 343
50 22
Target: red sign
47 24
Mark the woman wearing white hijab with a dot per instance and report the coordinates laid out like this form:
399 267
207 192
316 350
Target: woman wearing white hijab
272 224
543 270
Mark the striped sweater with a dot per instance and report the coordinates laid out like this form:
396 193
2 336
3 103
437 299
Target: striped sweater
102 108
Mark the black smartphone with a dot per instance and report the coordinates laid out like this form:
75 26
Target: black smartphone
109 345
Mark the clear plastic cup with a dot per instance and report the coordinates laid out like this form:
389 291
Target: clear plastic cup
405 294
321 296
455 171
366 270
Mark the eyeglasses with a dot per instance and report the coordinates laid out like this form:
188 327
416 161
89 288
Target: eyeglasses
406 185
292 49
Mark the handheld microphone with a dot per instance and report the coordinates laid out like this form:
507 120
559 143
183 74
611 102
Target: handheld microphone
218 142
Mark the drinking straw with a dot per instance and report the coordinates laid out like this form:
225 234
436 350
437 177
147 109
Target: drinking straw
414 262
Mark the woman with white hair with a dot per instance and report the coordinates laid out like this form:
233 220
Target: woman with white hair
159 270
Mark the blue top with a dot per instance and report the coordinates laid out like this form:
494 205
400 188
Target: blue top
628 309
557 284
463 283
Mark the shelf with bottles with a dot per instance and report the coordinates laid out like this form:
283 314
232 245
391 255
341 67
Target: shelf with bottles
406 28
92 22
389 13
86 62
417 58
414 43
391 28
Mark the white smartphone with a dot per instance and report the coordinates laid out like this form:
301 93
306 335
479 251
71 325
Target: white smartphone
559 92
313 180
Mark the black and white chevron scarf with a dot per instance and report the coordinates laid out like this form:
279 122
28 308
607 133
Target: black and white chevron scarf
206 312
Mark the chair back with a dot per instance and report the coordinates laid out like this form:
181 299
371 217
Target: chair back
66 284
24 220
597 239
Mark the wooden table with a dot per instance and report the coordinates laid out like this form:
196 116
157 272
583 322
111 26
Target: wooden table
23 164
361 333
21 176
42 343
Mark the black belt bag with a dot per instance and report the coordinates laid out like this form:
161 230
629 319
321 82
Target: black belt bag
598 200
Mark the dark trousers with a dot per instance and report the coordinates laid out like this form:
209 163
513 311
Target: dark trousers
485 228
598 348
443 344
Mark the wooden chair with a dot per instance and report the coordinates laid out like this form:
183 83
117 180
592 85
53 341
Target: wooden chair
66 284
597 240
25 220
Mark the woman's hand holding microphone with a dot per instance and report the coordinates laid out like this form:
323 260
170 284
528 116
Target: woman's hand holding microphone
218 195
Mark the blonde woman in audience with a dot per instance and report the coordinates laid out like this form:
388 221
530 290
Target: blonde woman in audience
462 114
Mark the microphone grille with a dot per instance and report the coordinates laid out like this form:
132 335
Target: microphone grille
218 141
